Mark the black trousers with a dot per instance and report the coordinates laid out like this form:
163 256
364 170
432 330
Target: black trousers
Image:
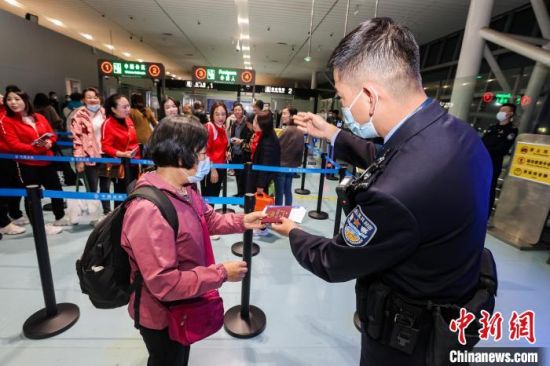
497 169
9 205
209 189
47 177
162 350
239 174
93 178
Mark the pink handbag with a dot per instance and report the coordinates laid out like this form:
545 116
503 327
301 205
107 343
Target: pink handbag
191 320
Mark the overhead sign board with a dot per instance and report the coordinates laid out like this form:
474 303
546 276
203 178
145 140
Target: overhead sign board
152 70
223 75
278 90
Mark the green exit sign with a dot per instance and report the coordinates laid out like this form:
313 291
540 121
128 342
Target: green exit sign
131 69
223 75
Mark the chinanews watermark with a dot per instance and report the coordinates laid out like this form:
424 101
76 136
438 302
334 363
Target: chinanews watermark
519 326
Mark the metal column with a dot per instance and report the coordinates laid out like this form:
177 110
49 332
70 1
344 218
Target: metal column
540 71
479 16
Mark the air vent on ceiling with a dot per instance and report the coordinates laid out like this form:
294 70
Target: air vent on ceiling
167 34
189 55
282 43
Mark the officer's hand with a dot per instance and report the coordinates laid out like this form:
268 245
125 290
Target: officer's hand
315 125
285 227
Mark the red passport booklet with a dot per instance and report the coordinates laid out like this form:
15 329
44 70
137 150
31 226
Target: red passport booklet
275 213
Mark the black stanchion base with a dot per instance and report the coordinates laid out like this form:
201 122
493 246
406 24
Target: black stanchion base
318 215
237 249
39 325
296 176
303 192
332 177
227 210
356 321
239 327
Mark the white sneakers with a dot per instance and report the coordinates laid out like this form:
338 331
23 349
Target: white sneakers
64 221
12 229
21 221
261 232
52 230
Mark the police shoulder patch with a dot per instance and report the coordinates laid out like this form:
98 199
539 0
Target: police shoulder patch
358 229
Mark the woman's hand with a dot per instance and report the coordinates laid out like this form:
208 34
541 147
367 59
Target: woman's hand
285 227
79 167
124 154
253 220
236 270
259 190
214 176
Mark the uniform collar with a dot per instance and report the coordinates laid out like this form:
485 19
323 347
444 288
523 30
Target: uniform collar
415 123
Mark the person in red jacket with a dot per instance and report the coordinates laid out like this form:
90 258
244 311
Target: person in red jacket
30 133
216 149
119 139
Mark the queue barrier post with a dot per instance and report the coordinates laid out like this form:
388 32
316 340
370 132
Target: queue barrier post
245 320
237 248
318 214
338 213
302 190
332 176
224 208
54 318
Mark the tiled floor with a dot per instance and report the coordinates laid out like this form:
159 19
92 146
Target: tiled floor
309 322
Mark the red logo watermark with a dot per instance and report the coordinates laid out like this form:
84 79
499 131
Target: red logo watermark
519 326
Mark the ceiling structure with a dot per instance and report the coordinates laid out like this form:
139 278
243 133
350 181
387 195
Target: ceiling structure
272 35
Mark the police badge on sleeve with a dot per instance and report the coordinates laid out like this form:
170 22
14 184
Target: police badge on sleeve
358 229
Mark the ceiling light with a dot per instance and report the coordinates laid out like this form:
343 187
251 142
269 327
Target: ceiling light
307 58
14 3
246 56
127 54
242 20
245 48
140 60
245 36
168 73
57 22
87 36
356 11
110 46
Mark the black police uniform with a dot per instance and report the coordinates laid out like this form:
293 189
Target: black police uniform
498 140
418 225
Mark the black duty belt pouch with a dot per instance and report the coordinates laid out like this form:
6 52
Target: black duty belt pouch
442 340
372 307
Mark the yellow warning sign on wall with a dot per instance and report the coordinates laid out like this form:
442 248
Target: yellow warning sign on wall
531 162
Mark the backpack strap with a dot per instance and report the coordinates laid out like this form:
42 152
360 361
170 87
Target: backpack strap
168 211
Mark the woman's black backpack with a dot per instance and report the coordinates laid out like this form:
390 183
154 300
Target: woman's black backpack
104 268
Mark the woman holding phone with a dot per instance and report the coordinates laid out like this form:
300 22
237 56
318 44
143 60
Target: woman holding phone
119 140
26 132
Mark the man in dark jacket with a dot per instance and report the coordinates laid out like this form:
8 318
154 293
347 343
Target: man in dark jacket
498 140
416 220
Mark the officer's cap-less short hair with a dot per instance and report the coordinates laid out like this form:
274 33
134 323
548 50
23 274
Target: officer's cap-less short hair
511 105
379 49
176 142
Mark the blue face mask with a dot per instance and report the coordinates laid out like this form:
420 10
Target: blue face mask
365 130
202 171
93 107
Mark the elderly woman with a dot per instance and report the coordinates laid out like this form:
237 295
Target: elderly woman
176 267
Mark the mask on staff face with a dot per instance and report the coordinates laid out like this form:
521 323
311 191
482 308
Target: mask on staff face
365 130
93 107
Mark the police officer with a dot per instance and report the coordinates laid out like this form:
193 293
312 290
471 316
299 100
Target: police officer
416 220
498 140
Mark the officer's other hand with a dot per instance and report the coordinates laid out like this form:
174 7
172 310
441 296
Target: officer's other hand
236 270
254 219
315 125
285 227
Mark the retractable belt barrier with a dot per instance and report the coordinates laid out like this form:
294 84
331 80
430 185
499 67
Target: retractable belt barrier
75 159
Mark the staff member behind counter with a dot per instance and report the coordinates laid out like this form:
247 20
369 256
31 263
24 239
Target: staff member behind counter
416 224
498 140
